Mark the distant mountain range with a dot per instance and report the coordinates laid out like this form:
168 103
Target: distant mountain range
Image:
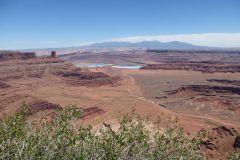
149 45
173 45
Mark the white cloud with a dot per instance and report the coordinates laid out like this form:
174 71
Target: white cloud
48 42
205 39
35 42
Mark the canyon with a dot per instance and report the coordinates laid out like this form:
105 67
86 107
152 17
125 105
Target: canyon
197 90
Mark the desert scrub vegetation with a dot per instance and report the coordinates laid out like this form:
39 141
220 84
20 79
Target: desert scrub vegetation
60 139
235 156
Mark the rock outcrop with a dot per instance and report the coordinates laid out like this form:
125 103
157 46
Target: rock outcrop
237 142
91 79
53 54
204 67
10 55
4 85
225 81
217 98
91 111
41 105
207 90
219 142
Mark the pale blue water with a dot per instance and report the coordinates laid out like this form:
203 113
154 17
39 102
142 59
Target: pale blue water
128 67
93 65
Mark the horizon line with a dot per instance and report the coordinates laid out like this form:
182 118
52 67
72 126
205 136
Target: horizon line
217 40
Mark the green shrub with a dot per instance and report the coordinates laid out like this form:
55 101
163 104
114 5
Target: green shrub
20 139
235 156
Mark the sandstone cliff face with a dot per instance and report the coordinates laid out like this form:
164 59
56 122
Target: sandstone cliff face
219 142
225 81
90 79
4 85
18 65
219 98
237 142
10 55
21 77
201 67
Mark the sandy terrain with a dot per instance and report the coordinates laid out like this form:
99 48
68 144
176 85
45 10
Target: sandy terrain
192 99
156 86
114 99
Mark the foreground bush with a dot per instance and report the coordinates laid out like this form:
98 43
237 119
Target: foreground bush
61 140
235 156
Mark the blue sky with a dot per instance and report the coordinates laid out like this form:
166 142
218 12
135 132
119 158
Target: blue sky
60 23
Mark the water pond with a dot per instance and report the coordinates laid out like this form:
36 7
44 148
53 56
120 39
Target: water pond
93 65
